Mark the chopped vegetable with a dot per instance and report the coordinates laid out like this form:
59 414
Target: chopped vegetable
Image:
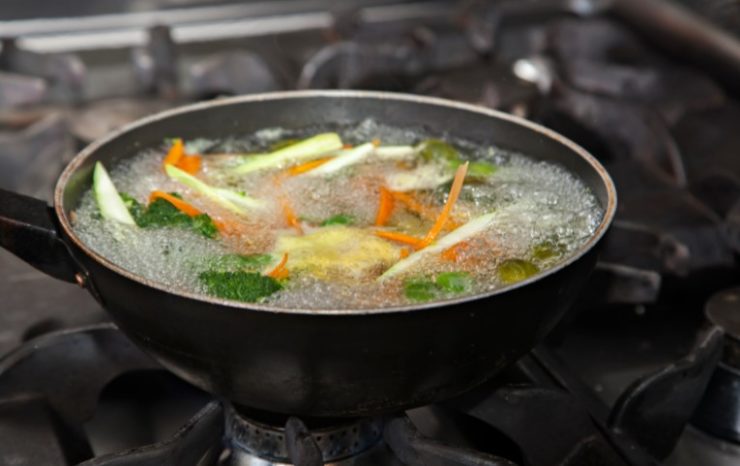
481 169
451 254
111 206
516 270
177 157
290 217
420 290
385 207
177 150
307 166
181 205
240 285
454 282
280 271
451 199
346 159
472 228
190 164
400 237
395 152
204 224
161 212
412 204
308 149
436 150
339 219
236 202
337 252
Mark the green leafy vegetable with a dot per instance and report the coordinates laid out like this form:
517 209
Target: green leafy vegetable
240 285
420 290
339 219
237 262
516 270
423 289
454 282
134 207
481 169
161 213
203 224
435 150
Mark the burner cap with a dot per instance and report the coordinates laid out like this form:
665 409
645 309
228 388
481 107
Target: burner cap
269 442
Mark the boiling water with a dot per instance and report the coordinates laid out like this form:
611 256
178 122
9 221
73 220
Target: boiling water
534 203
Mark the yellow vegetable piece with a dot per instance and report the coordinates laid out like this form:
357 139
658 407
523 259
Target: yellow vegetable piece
337 251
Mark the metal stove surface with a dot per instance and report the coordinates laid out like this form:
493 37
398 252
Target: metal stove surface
646 108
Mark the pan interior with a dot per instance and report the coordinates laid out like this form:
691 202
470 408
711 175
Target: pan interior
224 119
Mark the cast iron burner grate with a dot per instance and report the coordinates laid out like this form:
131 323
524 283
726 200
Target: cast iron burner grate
535 414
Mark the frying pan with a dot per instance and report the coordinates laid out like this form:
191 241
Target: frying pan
328 362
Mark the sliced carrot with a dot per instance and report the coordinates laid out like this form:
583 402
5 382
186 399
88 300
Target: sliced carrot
308 166
452 253
177 150
400 237
290 217
280 271
404 253
417 207
190 164
181 205
457 185
347 146
385 208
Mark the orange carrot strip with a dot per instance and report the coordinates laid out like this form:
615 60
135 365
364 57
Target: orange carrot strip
385 209
417 207
400 237
189 163
181 205
457 184
290 216
280 271
308 166
452 253
404 253
177 150
347 146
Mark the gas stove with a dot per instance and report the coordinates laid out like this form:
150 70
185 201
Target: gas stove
641 371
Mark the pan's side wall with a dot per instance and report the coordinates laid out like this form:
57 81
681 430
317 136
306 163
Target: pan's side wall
342 364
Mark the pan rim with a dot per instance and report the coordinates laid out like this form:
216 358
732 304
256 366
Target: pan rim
92 148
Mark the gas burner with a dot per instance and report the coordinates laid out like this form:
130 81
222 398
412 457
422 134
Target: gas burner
342 442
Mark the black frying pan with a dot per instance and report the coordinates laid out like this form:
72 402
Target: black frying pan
309 362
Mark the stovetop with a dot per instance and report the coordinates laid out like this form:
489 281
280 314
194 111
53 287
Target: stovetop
663 122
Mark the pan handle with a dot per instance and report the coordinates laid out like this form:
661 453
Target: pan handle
28 229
